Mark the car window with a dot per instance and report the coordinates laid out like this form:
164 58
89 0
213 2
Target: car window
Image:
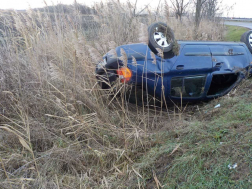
221 83
191 86
222 50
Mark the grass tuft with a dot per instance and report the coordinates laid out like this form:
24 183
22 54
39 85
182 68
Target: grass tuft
234 33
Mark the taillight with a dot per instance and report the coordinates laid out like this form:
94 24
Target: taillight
124 74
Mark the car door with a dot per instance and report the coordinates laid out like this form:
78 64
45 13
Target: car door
228 62
190 73
228 57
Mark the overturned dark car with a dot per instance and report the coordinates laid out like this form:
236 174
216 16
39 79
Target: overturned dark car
194 71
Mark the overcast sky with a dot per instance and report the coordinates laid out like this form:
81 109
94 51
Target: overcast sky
242 8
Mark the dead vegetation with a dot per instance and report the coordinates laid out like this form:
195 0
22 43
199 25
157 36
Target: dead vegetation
58 128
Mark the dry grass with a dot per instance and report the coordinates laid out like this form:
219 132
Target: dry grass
57 129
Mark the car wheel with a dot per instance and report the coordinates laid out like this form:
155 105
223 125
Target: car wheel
160 36
247 39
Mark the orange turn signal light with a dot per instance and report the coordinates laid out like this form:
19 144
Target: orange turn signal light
124 74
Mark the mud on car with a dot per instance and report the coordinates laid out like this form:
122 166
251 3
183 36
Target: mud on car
177 70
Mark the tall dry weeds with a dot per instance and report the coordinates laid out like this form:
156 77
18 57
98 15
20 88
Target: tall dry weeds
58 128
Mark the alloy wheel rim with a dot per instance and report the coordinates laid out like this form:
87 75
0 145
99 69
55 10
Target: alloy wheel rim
161 40
250 39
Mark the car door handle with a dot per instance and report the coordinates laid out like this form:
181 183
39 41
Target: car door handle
180 67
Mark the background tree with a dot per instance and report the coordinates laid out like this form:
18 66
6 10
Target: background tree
180 7
211 9
199 5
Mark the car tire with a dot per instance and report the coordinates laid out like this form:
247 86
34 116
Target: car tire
247 39
160 36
